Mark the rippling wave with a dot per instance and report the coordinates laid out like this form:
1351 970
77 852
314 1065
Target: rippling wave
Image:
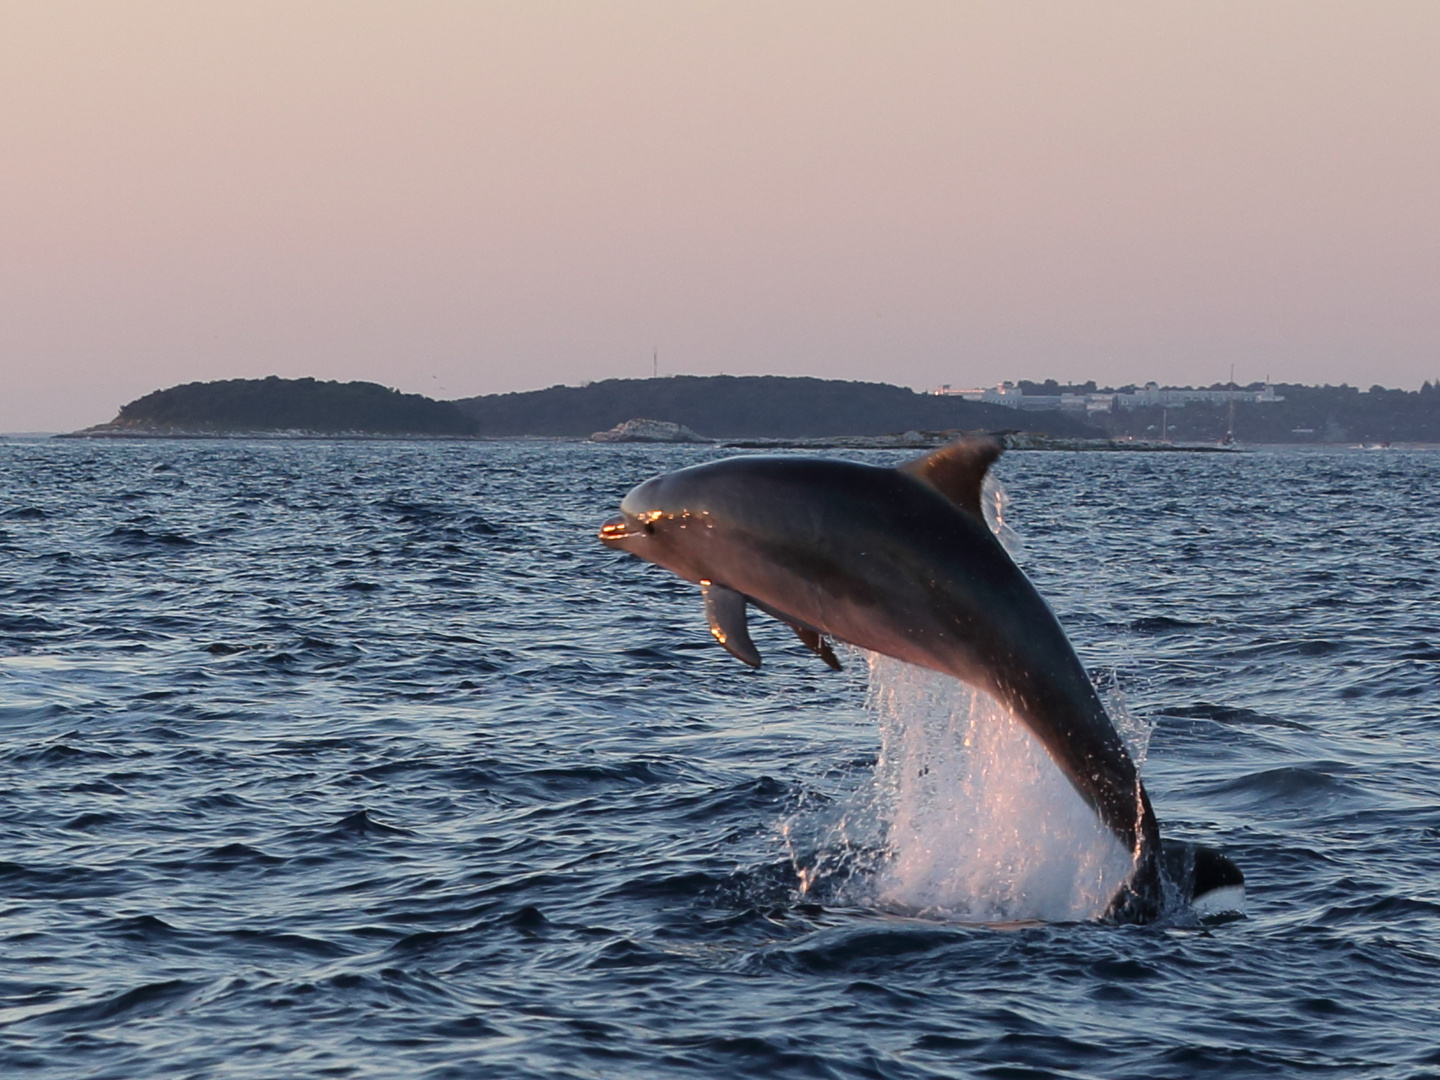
365 759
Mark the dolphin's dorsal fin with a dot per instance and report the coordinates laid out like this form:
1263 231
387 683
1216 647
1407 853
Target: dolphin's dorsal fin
725 611
957 471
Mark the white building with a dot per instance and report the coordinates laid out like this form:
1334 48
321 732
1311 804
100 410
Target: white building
1012 397
1153 395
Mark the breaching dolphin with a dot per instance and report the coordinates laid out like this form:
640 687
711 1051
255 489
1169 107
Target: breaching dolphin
902 562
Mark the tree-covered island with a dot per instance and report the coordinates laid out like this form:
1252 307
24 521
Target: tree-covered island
752 406
295 406
719 406
778 407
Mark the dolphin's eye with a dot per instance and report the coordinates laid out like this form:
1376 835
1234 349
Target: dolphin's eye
650 527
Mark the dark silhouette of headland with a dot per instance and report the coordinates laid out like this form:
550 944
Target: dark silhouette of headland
719 406
750 406
735 408
275 405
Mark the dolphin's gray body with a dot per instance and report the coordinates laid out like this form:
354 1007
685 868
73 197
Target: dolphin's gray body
900 562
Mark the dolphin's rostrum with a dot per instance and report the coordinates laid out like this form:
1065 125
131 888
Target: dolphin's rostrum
900 562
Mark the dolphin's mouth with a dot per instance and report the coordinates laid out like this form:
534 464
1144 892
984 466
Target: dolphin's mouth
618 528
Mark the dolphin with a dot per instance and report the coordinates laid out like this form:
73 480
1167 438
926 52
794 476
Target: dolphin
901 562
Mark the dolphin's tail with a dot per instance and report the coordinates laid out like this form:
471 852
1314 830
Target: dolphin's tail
1142 898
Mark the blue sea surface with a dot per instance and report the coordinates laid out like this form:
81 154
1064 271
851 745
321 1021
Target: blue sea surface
365 759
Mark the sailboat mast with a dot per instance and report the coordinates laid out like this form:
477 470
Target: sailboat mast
1230 430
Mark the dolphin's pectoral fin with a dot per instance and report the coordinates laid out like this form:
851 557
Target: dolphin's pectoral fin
725 610
818 645
958 471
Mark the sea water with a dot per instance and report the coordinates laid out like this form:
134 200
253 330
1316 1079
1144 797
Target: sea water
366 759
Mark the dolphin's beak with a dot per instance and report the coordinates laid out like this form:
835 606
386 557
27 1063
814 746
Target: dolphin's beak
617 529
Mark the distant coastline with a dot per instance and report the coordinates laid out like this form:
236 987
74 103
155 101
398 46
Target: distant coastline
756 411
716 407
292 408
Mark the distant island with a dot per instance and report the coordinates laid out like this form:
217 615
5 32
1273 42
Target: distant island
761 407
719 406
275 405
751 406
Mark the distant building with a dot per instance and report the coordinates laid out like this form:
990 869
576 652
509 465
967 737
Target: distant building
1006 394
1012 397
1153 395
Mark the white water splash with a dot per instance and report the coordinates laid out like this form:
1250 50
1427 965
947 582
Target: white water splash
995 504
966 816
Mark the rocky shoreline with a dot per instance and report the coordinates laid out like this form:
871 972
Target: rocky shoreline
107 432
660 433
1014 440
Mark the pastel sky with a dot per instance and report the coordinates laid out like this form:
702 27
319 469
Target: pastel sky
463 198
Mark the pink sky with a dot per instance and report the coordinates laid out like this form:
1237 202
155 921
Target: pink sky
463 198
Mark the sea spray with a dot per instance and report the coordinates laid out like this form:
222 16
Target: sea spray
995 505
964 817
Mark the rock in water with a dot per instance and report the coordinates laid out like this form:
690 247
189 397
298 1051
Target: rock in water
653 431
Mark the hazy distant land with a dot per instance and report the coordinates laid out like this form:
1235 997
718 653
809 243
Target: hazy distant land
754 407
718 406
275 405
749 406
